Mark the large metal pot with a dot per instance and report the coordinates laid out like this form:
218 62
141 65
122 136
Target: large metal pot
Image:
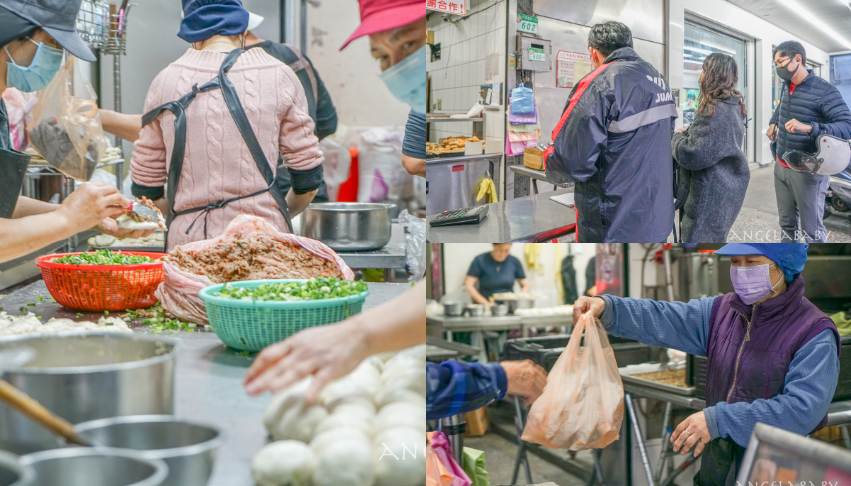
348 226
475 310
453 309
83 377
13 473
525 303
499 310
189 449
83 466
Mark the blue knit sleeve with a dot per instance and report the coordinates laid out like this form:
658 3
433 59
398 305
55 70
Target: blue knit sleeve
454 387
679 325
807 391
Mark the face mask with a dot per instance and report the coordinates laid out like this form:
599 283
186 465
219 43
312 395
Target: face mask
784 73
39 73
407 81
752 283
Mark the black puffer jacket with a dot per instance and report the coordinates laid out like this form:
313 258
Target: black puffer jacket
814 101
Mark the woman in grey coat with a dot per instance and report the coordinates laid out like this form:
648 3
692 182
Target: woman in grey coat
711 164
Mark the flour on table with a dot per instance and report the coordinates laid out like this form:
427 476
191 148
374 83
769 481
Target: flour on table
30 324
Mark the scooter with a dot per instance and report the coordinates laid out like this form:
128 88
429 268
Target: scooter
838 200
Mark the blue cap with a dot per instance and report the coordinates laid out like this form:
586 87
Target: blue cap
790 257
203 19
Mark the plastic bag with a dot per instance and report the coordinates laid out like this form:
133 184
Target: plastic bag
18 105
65 127
582 405
443 452
415 239
179 290
474 466
436 472
522 100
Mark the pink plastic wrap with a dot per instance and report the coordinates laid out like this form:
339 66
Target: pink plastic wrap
179 291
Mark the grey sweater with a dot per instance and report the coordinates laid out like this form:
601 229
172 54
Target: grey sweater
710 158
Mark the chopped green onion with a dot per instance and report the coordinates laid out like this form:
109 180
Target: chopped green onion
40 299
31 304
103 257
313 289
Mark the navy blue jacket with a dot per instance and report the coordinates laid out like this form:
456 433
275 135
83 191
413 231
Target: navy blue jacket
816 102
614 141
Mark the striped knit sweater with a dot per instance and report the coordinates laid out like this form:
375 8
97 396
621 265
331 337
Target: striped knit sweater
217 164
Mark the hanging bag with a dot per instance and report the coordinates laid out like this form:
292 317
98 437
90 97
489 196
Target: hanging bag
522 100
582 405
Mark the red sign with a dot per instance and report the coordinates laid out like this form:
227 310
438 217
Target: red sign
457 7
457 168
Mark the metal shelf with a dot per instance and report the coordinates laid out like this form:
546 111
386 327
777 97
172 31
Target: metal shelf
453 120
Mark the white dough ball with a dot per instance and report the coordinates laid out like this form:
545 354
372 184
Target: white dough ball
345 462
400 457
343 434
391 394
400 414
283 463
297 420
339 420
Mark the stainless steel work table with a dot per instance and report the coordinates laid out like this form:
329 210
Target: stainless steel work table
529 219
208 381
389 258
537 175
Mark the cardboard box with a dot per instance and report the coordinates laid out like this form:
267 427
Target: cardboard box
533 158
477 422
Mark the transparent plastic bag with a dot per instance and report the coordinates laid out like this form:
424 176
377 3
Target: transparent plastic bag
65 127
582 405
415 239
522 100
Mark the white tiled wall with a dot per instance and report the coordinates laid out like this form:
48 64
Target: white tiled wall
457 76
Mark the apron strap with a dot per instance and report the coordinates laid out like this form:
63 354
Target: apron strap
303 65
238 113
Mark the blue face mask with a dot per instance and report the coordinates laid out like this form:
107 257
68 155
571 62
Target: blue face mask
407 80
39 73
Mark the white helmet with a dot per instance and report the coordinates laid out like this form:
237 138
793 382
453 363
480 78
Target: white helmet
832 157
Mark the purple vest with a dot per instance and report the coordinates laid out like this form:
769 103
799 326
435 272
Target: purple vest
743 365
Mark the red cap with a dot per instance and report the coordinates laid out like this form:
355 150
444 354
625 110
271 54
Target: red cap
381 15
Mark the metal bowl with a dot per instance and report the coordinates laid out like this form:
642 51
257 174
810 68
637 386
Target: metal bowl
348 226
83 377
499 310
83 466
453 309
475 310
525 303
13 473
188 448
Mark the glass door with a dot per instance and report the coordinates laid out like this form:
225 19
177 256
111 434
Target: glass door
700 41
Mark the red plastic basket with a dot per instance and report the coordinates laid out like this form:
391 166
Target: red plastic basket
102 287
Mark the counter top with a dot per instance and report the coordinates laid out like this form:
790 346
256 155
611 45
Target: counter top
208 381
537 175
391 255
529 219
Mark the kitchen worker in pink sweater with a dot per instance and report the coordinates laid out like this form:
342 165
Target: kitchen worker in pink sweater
215 121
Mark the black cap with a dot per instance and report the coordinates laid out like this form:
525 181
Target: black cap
56 17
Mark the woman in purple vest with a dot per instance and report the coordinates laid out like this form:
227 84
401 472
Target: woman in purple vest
772 355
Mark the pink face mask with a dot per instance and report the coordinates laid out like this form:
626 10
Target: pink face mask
752 283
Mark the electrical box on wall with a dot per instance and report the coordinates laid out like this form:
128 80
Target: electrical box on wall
535 54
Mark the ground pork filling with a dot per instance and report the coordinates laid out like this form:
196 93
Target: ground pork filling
254 257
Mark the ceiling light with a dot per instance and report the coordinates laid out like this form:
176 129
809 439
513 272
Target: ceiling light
717 47
693 62
793 5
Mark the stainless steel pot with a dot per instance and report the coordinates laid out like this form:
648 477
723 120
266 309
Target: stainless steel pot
83 466
525 303
13 473
83 377
189 449
499 310
475 310
348 226
453 309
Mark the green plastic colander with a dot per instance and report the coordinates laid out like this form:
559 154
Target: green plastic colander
250 325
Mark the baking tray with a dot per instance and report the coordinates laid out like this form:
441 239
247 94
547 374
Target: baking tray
446 155
628 378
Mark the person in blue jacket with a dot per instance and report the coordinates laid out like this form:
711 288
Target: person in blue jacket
614 141
809 106
772 355
454 387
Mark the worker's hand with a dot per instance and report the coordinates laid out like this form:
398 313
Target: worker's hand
110 227
326 352
680 130
692 432
525 379
794 126
772 132
596 305
89 205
